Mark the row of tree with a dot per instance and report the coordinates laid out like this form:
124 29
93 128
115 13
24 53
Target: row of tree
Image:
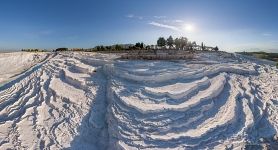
182 43
33 50
117 47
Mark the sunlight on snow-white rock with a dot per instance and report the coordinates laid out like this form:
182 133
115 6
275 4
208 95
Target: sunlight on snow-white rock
95 101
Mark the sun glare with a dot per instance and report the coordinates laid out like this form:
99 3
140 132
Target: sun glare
188 28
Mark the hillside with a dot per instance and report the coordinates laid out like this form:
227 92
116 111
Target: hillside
82 100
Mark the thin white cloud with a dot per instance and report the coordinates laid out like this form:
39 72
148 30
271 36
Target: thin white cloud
159 17
132 16
173 21
140 17
164 26
267 34
178 21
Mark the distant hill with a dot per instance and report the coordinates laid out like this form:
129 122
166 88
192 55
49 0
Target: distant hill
259 50
8 50
262 55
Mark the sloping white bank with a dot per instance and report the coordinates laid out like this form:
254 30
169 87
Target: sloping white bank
95 101
56 105
217 101
17 62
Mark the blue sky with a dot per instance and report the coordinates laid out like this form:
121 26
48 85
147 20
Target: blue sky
232 25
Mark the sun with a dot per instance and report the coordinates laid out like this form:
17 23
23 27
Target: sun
188 28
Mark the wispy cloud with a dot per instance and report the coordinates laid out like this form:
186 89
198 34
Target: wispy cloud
267 34
132 16
159 17
173 21
164 26
178 21
140 17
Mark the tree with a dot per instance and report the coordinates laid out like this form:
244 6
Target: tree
183 42
194 43
108 47
118 47
62 49
216 49
142 45
137 45
170 41
177 43
161 42
97 48
190 46
102 48
202 46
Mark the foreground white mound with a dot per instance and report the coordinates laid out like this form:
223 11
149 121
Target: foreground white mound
215 102
49 106
94 101
15 63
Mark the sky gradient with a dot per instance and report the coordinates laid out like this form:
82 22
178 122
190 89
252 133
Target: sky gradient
231 25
